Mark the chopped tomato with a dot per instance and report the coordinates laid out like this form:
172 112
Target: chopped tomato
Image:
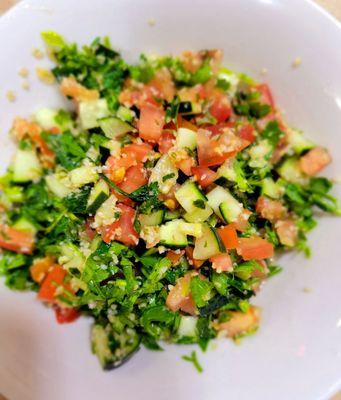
315 160
71 88
90 232
166 142
191 61
221 109
287 232
192 261
139 97
53 280
186 165
221 263
261 270
215 150
272 210
266 95
229 236
40 268
65 315
242 222
239 322
136 151
204 176
180 298
254 248
151 123
16 240
175 257
247 132
193 94
134 178
183 123
123 229
164 84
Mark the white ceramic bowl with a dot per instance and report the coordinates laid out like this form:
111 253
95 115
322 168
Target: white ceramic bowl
296 354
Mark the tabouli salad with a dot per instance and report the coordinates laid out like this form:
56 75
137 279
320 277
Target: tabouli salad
156 206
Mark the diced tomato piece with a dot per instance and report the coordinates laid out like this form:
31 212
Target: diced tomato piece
53 280
123 229
136 151
66 315
266 95
175 257
71 88
229 236
183 123
180 298
315 160
151 123
138 97
272 210
186 165
192 261
221 109
247 132
287 232
16 240
166 142
215 150
239 322
242 222
261 270
90 232
254 248
204 176
40 268
221 263
164 84
134 178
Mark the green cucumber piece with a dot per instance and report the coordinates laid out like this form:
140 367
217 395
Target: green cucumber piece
99 193
164 168
224 204
209 244
26 166
91 112
153 219
56 185
114 127
271 188
298 142
71 257
83 175
186 138
291 172
23 224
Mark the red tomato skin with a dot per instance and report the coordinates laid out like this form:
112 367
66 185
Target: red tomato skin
228 235
134 178
65 315
204 176
247 132
221 263
53 280
123 229
151 123
314 161
254 248
266 95
137 151
221 109
166 142
16 240
90 233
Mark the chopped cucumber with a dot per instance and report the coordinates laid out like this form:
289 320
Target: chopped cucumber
23 224
271 188
71 257
231 78
174 233
224 204
189 107
45 117
125 114
83 175
153 219
226 172
26 166
194 202
186 138
58 184
209 244
107 213
170 215
164 167
259 154
99 193
114 127
90 112
298 142
14 194
291 172
187 326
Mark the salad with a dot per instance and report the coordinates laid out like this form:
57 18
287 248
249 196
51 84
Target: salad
157 204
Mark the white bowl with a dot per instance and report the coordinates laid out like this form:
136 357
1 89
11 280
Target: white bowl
296 354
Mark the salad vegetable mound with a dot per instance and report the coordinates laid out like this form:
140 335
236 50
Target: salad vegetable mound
156 206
